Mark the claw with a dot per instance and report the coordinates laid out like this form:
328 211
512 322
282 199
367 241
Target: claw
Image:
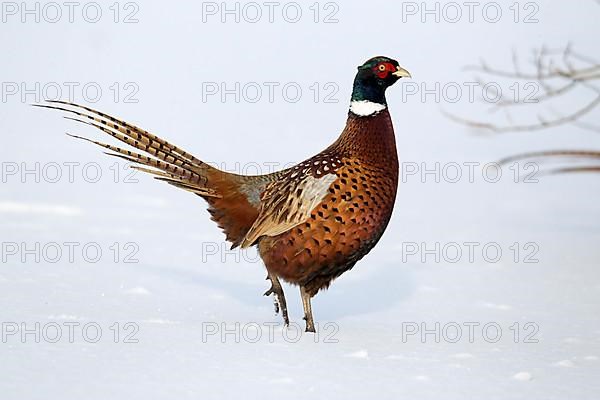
310 325
275 302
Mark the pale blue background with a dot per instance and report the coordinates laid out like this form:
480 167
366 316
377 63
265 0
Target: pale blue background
174 288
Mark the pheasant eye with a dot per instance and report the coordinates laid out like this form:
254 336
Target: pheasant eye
381 67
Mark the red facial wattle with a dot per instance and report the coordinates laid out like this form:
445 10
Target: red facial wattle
383 69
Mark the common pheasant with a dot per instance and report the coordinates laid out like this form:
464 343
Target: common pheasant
311 222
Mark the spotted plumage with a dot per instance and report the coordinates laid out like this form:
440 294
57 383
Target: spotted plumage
311 222
352 213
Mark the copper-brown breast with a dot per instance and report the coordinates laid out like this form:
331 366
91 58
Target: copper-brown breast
341 229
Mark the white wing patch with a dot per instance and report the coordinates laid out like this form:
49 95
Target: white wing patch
286 204
314 191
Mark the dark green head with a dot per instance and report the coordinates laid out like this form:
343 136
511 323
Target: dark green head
374 77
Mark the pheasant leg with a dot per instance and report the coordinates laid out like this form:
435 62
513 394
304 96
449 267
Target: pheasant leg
308 317
280 303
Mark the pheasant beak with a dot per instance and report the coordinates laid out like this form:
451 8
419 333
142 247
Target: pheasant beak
401 73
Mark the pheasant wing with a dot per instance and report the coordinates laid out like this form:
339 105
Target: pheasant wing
289 201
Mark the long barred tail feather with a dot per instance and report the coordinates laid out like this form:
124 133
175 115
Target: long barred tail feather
231 197
170 163
124 127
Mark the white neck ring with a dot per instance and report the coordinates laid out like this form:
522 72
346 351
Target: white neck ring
365 108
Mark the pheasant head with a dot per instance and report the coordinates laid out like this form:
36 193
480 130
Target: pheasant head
371 82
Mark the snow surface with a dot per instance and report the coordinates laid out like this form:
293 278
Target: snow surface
190 315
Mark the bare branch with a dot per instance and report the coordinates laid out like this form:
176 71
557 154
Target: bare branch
556 73
567 170
548 95
542 124
554 155
579 154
